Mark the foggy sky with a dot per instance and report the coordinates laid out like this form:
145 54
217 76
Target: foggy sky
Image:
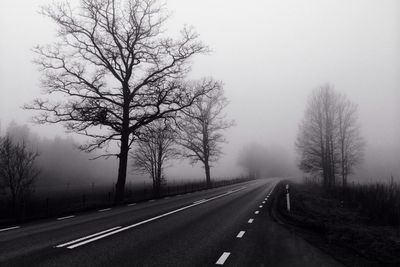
269 55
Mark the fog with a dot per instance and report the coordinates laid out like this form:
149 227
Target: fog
269 55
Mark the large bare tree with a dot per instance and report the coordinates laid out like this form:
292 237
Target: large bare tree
202 124
112 71
154 147
329 140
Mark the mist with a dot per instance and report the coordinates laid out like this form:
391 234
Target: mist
269 56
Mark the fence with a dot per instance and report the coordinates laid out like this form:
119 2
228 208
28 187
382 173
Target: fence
62 200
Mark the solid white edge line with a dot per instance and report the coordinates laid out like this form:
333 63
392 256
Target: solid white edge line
86 237
104 209
240 234
97 237
9 228
132 204
199 201
250 221
66 217
223 258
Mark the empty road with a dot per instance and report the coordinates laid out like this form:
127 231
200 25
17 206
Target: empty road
227 226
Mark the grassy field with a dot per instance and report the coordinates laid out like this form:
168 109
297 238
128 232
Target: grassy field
358 225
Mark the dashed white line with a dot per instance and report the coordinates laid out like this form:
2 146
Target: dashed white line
240 234
87 237
250 220
98 236
256 212
260 206
263 202
266 198
223 258
131 204
9 228
104 209
66 217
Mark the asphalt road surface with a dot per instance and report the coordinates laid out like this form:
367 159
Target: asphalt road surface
227 226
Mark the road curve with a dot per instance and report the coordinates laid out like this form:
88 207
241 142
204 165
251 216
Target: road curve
228 226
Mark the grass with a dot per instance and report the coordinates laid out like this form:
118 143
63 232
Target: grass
60 201
358 225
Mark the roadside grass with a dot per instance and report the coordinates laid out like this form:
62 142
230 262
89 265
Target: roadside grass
59 202
358 225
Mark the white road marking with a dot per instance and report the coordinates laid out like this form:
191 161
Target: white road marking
263 202
240 234
223 258
266 198
256 212
250 220
260 206
66 217
199 201
9 228
152 200
104 209
131 204
87 237
101 235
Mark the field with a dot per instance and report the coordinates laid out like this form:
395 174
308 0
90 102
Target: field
358 225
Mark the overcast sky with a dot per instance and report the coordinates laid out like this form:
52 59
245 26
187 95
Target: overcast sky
269 54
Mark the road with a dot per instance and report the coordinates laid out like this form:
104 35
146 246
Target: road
227 226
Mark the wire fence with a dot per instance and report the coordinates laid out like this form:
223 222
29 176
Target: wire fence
54 201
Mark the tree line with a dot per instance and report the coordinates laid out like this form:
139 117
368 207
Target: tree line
119 74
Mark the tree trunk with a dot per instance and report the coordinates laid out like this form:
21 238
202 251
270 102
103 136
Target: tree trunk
123 161
208 177
159 171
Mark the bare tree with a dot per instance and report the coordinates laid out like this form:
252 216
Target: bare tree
265 161
329 140
114 71
17 169
153 149
202 124
350 143
252 159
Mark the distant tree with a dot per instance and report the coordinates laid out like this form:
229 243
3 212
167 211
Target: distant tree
253 158
114 67
329 140
202 124
350 142
265 161
18 170
152 150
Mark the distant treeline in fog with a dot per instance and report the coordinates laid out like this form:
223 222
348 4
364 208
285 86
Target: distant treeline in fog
60 161
266 161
